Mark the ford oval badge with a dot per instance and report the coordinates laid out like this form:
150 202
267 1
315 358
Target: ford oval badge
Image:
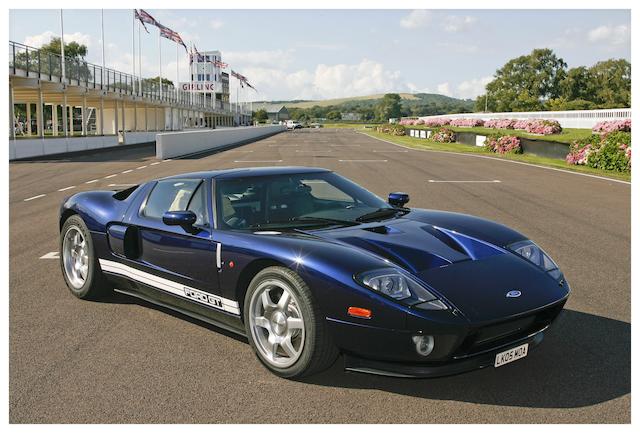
514 294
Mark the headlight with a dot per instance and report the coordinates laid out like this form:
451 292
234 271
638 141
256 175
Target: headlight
401 287
537 256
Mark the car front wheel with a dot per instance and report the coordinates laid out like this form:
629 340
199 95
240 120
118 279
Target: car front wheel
284 325
78 260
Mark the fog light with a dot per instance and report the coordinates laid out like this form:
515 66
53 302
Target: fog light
424 344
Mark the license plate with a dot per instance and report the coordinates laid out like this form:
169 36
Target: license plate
511 355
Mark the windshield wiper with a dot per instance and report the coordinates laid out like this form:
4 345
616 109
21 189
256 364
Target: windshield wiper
306 221
383 212
311 219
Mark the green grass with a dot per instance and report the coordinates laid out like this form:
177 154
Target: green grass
568 135
465 148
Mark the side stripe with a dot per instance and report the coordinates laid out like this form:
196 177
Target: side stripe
172 287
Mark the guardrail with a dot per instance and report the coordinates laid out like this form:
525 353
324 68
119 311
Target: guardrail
567 119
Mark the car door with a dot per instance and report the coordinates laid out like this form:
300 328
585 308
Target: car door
181 261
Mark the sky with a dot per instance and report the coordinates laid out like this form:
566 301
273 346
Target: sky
322 54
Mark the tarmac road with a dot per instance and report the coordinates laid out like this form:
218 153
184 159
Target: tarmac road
121 360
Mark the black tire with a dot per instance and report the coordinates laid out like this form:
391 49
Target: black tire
319 351
95 285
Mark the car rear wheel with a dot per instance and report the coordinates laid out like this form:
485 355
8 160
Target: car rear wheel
284 325
78 260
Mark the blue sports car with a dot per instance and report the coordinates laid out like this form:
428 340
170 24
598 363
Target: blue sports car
308 265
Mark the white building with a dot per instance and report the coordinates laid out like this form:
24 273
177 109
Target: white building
207 78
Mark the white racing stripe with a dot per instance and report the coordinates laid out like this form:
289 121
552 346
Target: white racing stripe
172 287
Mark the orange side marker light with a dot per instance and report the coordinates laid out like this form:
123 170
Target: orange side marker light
361 313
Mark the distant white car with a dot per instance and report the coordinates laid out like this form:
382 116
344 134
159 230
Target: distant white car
292 124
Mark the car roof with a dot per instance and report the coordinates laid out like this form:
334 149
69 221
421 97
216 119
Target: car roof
234 173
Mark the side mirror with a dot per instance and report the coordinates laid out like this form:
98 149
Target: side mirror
398 199
183 218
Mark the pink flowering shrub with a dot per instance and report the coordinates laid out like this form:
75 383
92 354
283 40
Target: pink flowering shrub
544 127
610 151
500 123
406 122
467 122
419 122
443 135
503 144
612 126
521 124
437 121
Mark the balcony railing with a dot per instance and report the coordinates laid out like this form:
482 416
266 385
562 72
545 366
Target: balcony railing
36 63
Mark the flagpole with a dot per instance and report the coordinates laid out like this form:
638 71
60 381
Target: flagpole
139 59
102 37
177 71
160 61
133 50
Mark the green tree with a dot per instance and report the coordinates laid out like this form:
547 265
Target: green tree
47 60
389 107
260 115
526 82
334 115
611 83
154 81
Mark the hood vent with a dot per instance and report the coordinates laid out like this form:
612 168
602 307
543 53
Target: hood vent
476 249
382 230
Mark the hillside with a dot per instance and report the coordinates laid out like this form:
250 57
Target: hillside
408 100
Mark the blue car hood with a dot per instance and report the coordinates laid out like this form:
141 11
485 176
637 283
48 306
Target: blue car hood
472 274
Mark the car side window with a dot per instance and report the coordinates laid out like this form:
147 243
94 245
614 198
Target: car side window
169 195
198 205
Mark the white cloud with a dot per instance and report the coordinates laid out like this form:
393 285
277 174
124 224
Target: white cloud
325 81
470 89
457 23
216 24
45 37
615 35
444 89
416 18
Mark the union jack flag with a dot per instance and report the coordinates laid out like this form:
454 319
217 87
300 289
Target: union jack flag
139 18
240 77
220 64
195 53
250 86
166 32
146 17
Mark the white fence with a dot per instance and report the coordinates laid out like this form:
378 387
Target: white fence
172 144
567 119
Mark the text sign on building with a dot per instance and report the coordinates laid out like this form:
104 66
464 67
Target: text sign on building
201 87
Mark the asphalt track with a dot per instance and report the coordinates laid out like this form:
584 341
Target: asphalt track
121 360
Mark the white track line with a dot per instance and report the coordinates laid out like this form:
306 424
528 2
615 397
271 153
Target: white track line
363 160
92 181
141 167
69 187
127 171
110 176
274 160
501 160
463 181
34 197
155 163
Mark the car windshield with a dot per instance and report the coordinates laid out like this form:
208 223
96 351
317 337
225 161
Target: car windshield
301 200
